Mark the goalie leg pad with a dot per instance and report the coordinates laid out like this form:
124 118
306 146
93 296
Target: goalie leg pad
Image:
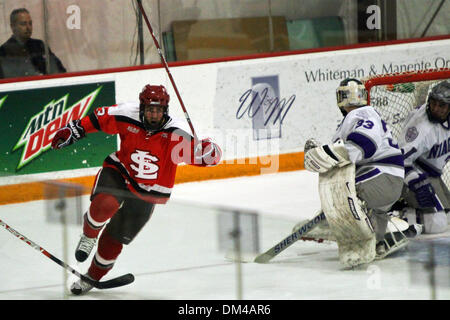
352 254
347 216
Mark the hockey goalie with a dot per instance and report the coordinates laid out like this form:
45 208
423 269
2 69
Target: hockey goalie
360 177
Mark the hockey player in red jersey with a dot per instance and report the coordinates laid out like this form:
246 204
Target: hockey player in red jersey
135 178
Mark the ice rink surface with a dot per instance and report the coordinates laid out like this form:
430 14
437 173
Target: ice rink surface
177 256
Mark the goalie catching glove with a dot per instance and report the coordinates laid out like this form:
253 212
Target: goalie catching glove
325 157
67 135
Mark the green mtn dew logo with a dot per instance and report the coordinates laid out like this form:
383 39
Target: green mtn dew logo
2 100
38 134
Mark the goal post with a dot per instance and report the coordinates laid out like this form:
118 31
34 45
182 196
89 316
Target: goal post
395 95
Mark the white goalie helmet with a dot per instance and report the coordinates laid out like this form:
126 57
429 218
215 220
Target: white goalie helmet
351 93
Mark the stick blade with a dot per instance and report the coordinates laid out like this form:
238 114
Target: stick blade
243 257
114 283
263 258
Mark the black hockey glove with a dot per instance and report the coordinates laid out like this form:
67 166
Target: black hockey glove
67 135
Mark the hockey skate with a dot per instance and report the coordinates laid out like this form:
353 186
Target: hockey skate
414 230
392 242
84 248
80 287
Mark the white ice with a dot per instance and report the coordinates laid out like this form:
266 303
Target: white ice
177 257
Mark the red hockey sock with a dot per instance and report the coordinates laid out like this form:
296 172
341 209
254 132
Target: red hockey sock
102 208
107 252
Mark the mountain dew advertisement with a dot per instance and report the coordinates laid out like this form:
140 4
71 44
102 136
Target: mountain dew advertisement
29 119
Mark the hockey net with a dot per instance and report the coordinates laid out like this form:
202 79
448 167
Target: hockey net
395 95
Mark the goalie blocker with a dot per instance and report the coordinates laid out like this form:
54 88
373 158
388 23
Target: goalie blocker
325 157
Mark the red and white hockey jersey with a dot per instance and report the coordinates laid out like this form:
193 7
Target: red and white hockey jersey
147 161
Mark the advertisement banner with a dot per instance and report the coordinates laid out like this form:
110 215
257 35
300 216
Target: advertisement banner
284 101
29 119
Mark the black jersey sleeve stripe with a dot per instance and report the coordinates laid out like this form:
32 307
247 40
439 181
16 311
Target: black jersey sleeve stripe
94 121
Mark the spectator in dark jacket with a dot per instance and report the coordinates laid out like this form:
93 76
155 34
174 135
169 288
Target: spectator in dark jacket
21 55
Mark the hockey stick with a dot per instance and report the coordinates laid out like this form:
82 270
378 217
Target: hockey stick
164 62
290 239
113 283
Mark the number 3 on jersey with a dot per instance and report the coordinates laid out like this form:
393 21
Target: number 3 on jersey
144 165
365 123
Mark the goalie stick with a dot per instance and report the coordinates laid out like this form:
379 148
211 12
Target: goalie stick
108 284
290 239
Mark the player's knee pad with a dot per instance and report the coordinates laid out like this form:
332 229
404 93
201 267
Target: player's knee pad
103 207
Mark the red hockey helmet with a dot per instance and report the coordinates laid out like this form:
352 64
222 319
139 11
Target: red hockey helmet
154 95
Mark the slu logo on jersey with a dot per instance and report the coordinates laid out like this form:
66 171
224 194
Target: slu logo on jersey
39 132
145 167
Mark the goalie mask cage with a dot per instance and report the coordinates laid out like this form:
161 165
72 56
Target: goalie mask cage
395 95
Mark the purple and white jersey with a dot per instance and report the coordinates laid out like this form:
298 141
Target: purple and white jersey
369 144
426 145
